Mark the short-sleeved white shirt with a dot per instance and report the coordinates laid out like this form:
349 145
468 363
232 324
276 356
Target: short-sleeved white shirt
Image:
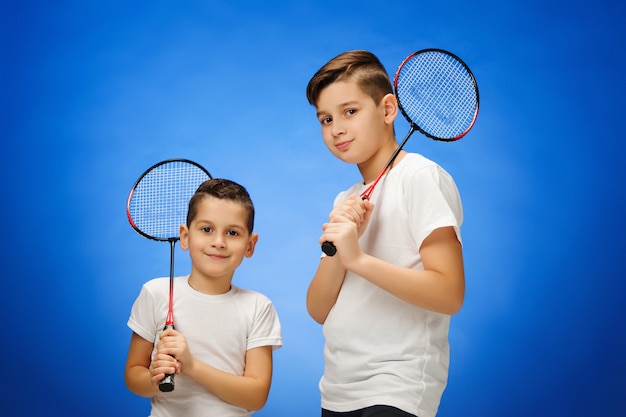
219 330
379 349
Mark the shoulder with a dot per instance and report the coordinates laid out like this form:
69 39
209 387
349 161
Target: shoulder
258 306
157 288
355 188
415 162
250 295
414 167
420 168
424 183
156 284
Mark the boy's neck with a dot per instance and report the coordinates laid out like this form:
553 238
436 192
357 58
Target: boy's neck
209 285
371 169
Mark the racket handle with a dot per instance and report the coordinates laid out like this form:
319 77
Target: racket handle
167 383
329 248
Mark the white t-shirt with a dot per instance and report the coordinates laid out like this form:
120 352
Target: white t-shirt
379 349
219 330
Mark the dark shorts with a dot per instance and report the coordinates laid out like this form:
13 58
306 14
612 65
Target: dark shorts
373 411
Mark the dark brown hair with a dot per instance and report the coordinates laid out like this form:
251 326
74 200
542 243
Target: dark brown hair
224 190
363 67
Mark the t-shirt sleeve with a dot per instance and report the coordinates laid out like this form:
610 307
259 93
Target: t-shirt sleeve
266 329
434 203
142 317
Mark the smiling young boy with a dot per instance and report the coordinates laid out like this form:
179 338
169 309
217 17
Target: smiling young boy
222 347
386 297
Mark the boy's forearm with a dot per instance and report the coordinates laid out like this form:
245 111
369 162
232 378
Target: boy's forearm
138 381
324 288
439 287
427 289
246 392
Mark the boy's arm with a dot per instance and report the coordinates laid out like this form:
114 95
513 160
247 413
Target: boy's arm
249 391
350 218
324 288
440 287
138 376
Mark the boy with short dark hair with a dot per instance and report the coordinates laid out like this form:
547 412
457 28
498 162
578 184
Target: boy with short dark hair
222 347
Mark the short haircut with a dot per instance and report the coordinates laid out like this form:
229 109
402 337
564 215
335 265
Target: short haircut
362 67
224 190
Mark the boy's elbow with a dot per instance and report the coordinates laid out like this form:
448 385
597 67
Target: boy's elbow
259 402
454 309
456 295
317 316
314 311
256 406
455 304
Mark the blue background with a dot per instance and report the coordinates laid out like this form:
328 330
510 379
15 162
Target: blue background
95 92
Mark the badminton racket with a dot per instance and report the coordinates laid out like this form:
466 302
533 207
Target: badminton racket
438 95
157 207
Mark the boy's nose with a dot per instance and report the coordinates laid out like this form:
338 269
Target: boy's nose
219 240
337 129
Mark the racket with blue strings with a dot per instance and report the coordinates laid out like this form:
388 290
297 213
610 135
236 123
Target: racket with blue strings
438 95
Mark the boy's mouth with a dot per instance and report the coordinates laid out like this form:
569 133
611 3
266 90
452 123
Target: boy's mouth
342 146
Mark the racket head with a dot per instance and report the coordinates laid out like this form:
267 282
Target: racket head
158 201
437 94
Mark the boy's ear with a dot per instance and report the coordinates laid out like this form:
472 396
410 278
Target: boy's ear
390 106
254 238
184 237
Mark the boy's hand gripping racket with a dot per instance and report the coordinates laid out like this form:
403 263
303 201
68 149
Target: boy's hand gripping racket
438 95
157 207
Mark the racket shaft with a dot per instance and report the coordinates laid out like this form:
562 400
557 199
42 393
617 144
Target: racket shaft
167 383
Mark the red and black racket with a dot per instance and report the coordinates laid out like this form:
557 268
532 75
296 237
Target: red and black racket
438 95
157 207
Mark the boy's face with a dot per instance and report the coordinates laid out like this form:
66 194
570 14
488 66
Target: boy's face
353 126
217 239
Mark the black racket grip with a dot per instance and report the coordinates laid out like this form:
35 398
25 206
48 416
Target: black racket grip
167 383
329 248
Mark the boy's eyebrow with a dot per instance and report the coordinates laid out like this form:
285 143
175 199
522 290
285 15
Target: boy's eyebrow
319 113
202 222
340 105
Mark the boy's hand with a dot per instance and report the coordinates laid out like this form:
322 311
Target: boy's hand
344 236
174 345
161 365
353 209
347 223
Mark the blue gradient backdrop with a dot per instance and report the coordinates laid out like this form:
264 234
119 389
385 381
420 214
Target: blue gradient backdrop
94 92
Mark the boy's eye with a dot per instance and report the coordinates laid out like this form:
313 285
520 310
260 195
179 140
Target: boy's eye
350 112
207 229
325 120
232 233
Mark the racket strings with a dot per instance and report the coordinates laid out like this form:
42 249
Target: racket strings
160 200
438 94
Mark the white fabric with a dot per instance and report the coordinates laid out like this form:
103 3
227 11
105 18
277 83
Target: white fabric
379 349
219 330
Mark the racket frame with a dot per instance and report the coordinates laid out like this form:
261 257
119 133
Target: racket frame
414 125
134 187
